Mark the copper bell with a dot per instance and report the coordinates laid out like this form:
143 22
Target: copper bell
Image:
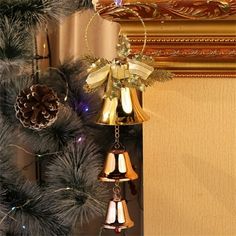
117 217
123 110
117 167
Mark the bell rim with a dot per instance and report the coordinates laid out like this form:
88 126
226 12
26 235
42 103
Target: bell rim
105 179
107 226
122 124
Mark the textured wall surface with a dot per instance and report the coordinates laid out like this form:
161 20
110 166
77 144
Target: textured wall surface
190 158
69 38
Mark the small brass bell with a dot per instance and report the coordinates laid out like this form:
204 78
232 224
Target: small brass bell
117 217
117 167
123 110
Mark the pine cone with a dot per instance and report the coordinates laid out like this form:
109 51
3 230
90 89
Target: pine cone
37 107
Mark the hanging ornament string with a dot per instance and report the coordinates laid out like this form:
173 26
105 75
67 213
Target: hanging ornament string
120 8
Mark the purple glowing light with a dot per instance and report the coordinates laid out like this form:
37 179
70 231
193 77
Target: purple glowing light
118 3
79 139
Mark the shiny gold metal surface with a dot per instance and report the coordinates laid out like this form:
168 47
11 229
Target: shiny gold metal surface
117 217
118 167
125 110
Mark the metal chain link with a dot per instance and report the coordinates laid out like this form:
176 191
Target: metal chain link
117 191
117 137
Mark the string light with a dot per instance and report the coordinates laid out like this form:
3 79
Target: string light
12 210
32 154
7 215
79 139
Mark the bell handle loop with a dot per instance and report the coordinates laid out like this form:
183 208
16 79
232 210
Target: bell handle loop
118 146
125 9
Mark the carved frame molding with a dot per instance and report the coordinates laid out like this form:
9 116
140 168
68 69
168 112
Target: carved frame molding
194 38
173 10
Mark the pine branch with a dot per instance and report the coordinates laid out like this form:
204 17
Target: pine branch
32 214
3 214
72 181
86 105
33 13
83 4
15 46
55 138
28 205
10 87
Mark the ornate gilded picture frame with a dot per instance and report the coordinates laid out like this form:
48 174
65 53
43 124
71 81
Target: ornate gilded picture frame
193 38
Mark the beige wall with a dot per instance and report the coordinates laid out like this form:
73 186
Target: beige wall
69 38
190 158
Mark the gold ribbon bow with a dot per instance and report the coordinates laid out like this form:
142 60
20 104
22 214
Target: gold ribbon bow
119 71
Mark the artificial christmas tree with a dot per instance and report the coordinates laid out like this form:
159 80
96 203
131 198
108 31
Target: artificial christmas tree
47 114
38 117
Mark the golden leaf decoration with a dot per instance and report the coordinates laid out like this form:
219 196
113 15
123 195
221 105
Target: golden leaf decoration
158 76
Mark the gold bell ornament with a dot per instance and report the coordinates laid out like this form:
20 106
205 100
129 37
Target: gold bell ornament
120 104
117 165
122 77
117 217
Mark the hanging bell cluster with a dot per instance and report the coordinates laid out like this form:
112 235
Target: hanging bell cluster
121 78
117 168
120 107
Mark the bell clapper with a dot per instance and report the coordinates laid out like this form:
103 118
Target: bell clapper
117 230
